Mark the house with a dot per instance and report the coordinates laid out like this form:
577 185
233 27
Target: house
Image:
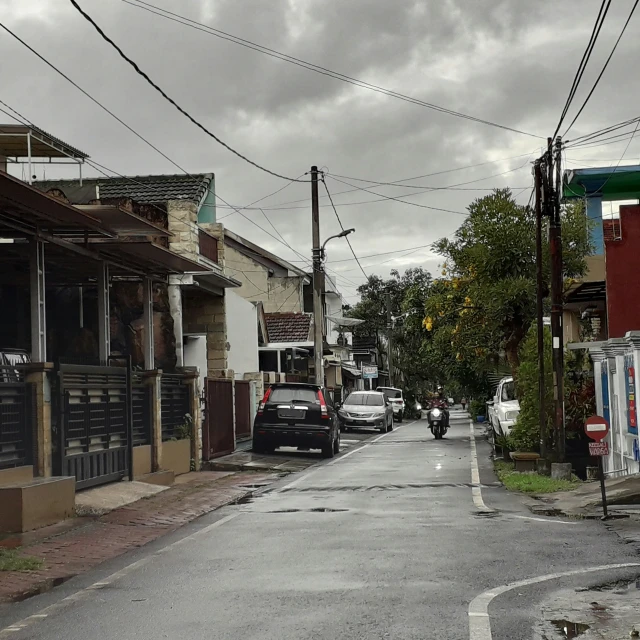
614 302
87 321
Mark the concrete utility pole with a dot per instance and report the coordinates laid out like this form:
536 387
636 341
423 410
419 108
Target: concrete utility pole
318 280
537 172
389 339
555 242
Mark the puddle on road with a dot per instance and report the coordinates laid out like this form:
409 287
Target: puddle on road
606 610
570 629
314 510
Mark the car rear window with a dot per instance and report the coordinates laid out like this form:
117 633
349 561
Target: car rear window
367 399
293 394
391 393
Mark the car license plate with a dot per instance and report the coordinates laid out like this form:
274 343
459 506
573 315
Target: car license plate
295 414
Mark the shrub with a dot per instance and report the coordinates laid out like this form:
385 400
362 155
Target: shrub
525 434
477 407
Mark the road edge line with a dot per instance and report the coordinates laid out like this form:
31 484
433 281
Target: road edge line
478 611
476 489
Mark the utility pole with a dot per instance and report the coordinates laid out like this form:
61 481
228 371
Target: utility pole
318 280
555 242
389 339
537 172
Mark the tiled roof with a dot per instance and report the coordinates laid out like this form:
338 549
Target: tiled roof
142 189
288 327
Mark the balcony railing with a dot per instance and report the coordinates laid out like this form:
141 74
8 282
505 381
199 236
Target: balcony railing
208 246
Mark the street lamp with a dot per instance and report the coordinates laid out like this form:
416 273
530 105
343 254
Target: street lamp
318 315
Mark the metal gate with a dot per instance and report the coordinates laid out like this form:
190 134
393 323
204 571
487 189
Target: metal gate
217 435
94 424
243 409
16 419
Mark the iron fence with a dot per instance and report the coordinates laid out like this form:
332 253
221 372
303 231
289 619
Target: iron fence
141 403
16 419
175 405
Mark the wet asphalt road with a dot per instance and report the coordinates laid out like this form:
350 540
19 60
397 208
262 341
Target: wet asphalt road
382 542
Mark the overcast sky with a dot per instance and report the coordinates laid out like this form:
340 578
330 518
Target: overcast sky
510 62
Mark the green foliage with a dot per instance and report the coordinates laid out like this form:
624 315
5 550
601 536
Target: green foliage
525 434
11 560
531 482
477 407
185 430
489 294
579 392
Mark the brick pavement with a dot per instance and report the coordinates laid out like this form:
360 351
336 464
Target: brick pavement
95 540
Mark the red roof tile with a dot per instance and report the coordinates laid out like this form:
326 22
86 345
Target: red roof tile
288 327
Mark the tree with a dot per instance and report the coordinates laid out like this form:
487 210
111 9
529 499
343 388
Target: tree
486 300
409 292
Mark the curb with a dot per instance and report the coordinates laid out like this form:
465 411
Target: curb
48 583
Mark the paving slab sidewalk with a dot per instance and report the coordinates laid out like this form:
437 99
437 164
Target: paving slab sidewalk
78 545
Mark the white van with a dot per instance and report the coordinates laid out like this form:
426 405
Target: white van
506 407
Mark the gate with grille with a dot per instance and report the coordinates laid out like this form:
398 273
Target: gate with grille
243 409
93 424
16 419
217 435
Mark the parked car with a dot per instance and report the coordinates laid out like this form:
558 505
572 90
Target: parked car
297 415
366 410
396 399
505 409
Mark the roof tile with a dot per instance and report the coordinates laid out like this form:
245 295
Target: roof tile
142 189
288 327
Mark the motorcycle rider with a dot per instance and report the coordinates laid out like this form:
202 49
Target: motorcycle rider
441 403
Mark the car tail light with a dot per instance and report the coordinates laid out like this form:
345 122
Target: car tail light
264 401
324 413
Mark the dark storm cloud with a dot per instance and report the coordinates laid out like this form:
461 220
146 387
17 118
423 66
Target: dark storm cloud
509 61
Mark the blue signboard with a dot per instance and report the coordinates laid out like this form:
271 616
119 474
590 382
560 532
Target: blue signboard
605 391
630 389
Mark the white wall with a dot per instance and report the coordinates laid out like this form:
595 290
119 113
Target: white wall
195 355
242 334
333 307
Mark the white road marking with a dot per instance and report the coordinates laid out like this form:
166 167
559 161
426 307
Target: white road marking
79 595
547 520
479 623
368 443
476 490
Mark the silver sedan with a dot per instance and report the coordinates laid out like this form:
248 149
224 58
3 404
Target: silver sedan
366 410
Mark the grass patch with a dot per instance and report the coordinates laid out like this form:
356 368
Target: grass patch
11 560
531 482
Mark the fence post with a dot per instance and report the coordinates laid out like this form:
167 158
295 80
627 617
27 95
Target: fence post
38 375
154 380
192 380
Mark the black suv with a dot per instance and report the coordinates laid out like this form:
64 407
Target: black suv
296 415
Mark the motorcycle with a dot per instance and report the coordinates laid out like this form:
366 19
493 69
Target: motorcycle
438 421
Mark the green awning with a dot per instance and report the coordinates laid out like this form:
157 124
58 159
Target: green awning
610 183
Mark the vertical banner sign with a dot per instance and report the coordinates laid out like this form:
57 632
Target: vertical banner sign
605 390
630 384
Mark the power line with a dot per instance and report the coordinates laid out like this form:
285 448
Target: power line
183 111
404 195
364 273
600 132
124 124
595 84
413 204
102 169
169 15
261 199
602 14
